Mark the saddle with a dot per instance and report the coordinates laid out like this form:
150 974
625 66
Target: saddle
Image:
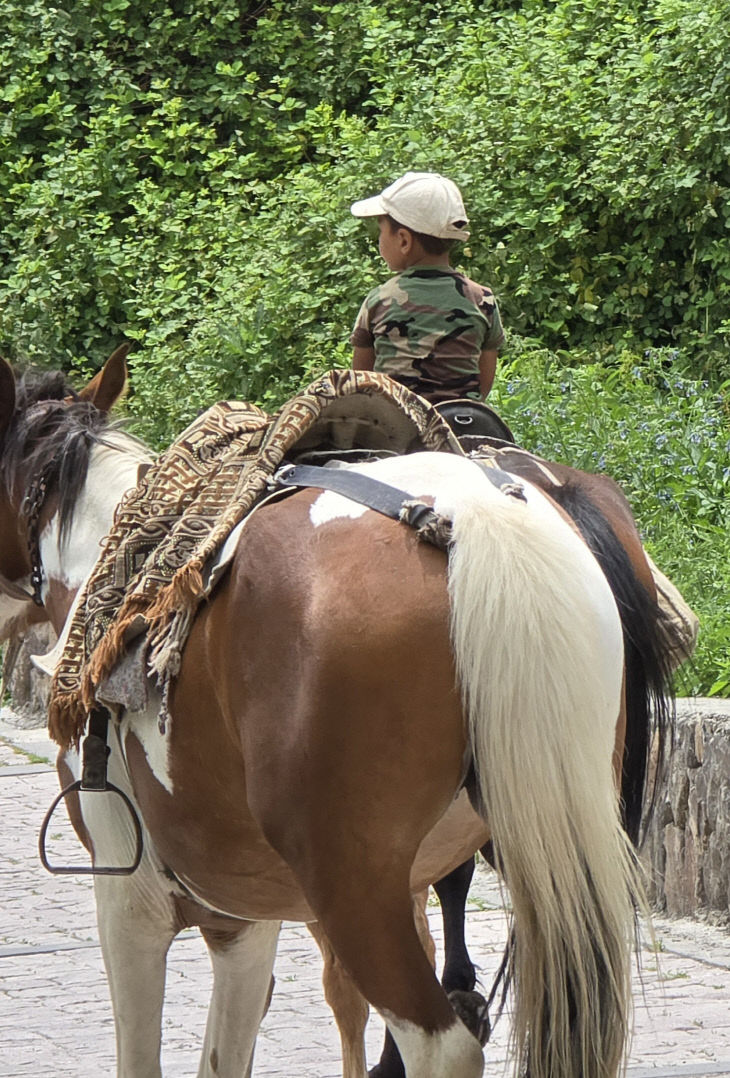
472 422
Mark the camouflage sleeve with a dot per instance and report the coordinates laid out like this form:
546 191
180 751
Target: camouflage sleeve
495 336
362 336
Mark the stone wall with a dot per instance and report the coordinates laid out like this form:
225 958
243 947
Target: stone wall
28 687
687 851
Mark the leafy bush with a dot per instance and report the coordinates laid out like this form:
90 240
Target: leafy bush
141 143
664 437
178 173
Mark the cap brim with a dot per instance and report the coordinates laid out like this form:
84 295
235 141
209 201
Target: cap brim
368 207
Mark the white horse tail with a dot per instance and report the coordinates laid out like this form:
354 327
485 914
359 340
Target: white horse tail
539 655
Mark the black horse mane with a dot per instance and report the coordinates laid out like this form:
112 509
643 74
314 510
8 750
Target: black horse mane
650 699
51 434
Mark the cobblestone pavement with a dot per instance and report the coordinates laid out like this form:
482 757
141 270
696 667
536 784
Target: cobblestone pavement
55 1016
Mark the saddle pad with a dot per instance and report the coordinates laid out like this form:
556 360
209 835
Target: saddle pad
150 576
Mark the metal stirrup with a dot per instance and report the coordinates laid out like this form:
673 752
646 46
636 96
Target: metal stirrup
95 753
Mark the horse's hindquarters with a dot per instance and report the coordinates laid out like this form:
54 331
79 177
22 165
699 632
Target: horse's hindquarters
348 718
329 648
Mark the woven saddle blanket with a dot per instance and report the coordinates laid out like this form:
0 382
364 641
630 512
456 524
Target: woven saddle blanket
149 578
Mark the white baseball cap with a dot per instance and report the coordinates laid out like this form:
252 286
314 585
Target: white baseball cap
422 201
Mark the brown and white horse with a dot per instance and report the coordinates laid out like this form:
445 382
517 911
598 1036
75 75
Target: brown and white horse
335 693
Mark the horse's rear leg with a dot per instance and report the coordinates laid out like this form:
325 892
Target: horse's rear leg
348 1006
369 922
351 1010
452 891
390 1064
242 962
459 975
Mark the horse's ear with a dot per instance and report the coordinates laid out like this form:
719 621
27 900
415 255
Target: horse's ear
7 395
106 387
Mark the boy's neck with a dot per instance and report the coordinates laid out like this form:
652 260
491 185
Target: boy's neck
443 261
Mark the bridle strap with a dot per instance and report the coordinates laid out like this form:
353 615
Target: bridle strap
32 506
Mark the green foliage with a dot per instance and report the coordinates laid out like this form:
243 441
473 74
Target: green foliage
664 437
178 173
143 146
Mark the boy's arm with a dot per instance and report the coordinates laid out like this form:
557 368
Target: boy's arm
363 359
487 370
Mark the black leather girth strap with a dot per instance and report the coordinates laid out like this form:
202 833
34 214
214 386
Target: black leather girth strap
429 526
377 495
392 502
373 492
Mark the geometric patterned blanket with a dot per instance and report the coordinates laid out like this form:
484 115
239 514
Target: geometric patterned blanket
149 577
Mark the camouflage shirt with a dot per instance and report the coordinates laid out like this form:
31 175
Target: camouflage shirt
428 327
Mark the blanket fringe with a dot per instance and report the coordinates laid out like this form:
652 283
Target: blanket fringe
66 720
111 647
167 642
186 589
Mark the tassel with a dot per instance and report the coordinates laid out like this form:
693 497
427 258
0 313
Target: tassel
186 587
66 720
113 644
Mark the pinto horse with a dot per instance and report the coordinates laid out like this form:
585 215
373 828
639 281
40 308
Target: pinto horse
339 689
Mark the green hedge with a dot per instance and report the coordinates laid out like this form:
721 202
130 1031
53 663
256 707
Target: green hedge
179 173
664 436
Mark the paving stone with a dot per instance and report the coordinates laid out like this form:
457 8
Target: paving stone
56 1018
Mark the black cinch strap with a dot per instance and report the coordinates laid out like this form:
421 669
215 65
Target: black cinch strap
386 499
373 493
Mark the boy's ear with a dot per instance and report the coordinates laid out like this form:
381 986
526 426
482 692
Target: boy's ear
406 240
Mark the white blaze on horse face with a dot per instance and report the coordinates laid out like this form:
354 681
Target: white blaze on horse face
111 473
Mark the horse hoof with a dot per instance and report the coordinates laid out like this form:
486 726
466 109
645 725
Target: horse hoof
472 1010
